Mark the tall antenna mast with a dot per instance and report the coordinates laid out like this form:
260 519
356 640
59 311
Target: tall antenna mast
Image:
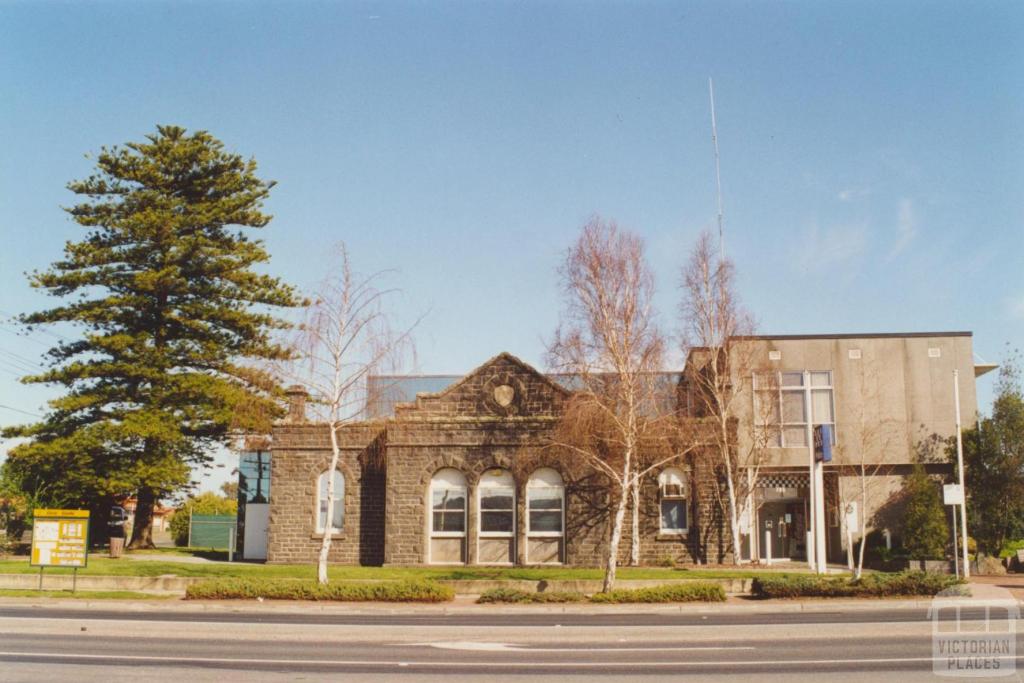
718 171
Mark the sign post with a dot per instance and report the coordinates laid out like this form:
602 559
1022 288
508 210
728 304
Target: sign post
953 494
822 455
60 538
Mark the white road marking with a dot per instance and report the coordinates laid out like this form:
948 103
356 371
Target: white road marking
512 647
116 659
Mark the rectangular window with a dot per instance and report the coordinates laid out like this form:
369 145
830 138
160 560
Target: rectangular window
545 511
497 511
673 515
785 408
449 506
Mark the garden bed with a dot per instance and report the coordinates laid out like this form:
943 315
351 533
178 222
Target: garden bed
868 586
299 589
692 591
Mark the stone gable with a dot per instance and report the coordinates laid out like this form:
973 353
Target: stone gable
502 387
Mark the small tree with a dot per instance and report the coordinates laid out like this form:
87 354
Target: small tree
616 421
870 434
924 523
994 464
346 336
207 503
721 367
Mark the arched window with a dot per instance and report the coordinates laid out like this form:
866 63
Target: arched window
496 534
338 518
447 517
672 495
545 517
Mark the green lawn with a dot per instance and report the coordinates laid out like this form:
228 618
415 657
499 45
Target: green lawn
103 566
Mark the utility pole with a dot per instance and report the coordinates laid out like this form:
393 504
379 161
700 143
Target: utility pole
960 473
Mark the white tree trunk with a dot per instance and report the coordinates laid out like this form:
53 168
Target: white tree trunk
613 546
325 543
734 518
634 548
863 524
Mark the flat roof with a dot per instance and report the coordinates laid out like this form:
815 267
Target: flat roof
864 335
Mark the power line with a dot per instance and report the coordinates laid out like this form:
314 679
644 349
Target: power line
19 410
21 361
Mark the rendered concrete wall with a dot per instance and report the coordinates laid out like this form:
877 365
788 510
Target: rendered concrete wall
886 402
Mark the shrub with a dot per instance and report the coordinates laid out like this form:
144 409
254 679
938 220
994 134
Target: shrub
924 523
301 589
869 585
204 504
1009 548
516 596
691 591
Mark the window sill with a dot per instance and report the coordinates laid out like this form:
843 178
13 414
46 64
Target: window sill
666 536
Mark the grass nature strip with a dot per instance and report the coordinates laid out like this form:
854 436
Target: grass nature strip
869 586
103 566
298 589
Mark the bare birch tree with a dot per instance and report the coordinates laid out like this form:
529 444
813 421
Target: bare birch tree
721 367
866 440
345 337
609 343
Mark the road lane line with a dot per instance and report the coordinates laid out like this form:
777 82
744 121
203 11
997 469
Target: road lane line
512 647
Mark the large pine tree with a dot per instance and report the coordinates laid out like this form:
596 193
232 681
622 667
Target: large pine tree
173 319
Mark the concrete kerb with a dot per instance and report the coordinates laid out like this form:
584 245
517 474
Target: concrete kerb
463 606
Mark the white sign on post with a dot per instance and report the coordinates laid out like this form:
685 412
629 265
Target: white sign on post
852 519
952 494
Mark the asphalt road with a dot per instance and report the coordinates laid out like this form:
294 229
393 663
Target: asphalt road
109 645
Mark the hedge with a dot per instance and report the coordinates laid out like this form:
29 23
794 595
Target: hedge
299 589
691 591
695 591
515 595
869 585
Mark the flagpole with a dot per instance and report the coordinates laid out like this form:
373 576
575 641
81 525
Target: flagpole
960 473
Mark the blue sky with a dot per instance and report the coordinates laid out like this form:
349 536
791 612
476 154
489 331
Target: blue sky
871 152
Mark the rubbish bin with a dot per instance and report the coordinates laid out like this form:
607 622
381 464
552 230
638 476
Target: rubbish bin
116 546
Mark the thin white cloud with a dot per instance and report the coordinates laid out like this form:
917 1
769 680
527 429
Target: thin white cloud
832 245
1015 307
906 227
852 193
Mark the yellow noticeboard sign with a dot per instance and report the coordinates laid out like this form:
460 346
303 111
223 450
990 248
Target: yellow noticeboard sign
60 538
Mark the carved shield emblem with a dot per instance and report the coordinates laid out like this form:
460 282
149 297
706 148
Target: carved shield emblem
503 395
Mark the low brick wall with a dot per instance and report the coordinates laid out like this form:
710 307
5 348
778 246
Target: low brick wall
140 584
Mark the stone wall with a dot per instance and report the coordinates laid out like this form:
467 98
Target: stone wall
300 453
498 417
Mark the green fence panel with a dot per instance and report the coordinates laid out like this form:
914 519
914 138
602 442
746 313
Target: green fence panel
213 531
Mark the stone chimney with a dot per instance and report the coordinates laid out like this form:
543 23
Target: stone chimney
297 396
